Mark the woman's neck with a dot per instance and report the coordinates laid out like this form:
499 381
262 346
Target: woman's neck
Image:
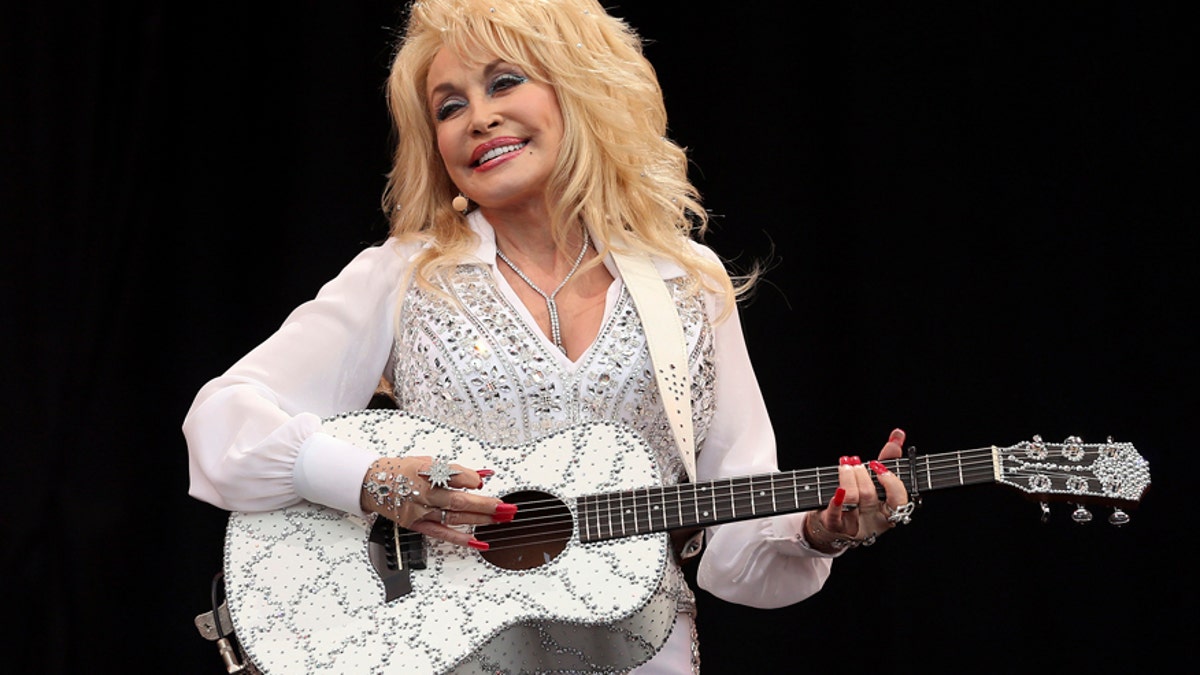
529 221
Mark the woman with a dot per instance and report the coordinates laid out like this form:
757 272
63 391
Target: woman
531 149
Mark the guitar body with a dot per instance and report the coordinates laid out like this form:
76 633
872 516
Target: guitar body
304 595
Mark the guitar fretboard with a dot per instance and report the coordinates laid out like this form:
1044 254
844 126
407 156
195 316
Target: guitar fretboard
686 505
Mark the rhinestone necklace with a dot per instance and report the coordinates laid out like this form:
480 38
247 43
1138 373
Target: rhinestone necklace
555 333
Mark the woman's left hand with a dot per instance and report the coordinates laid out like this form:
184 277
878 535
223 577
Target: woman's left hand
856 516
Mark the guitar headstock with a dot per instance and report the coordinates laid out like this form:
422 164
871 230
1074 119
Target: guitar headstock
1110 473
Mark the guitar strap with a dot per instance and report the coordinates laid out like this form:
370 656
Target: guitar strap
668 348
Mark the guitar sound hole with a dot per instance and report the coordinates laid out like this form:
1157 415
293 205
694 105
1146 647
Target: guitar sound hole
539 532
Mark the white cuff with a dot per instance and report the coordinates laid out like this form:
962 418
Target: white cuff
792 527
330 471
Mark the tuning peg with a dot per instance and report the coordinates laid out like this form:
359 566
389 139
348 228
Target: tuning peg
1072 448
1045 511
1081 515
1118 518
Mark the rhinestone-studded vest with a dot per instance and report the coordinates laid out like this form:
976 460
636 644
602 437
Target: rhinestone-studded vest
469 360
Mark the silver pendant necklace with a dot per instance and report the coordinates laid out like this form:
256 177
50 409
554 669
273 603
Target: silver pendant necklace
555 333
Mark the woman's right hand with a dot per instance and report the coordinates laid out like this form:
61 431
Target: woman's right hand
431 496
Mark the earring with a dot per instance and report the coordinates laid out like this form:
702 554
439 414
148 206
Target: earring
460 204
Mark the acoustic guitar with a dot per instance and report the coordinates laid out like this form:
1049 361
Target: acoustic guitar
579 571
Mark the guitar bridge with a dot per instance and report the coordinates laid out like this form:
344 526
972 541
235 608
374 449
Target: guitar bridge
394 552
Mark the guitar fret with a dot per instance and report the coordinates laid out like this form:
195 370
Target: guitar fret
649 514
713 496
651 507
598 505
596 512
691 490
615 516
638 514
678 505
608 511
623 512
633 497
637 528
584 523
665 508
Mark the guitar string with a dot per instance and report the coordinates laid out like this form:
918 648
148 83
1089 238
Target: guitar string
606 515
784 481
935 466
951 472
950 469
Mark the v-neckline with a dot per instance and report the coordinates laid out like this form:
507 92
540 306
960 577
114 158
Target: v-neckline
531 325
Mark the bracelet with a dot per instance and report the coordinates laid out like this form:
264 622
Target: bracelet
837 543
389 490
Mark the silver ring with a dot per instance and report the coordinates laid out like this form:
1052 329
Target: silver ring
849 507
439 473
901 514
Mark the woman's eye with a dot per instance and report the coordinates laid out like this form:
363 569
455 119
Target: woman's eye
447 108
506 81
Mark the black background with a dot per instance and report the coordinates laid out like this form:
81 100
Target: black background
980 232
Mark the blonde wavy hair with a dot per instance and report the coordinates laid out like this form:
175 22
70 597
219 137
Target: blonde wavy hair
616 171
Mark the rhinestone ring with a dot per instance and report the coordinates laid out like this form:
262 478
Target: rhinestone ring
439 473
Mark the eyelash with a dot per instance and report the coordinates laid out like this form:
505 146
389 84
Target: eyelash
509 80
502 82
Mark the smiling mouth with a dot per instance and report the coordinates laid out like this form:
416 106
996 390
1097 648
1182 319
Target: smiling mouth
498 151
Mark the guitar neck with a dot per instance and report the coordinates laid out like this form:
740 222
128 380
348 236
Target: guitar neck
688 505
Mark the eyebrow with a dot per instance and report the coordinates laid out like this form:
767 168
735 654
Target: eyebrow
443 87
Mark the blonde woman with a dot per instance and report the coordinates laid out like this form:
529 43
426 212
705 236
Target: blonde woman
531 151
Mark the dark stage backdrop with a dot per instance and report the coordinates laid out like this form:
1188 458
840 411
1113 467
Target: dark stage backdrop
978 234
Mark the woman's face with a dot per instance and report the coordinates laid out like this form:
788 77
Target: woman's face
498 131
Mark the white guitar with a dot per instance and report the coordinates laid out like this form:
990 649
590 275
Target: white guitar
311 589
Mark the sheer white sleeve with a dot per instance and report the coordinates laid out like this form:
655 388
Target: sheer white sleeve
254 433
760 563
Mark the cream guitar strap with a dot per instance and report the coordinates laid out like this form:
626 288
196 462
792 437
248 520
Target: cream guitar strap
668 348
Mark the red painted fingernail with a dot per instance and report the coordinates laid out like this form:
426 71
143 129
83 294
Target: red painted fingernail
877 467
843 460
479 545
839 496
485 473
505 509
854 460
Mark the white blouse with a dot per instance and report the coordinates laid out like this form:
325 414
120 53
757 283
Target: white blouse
255 440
